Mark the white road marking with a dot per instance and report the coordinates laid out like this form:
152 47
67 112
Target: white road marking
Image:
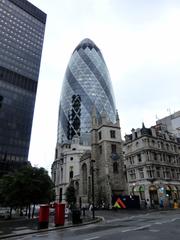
142 227
174 219
137 228
91 238
128 230
158 223
113 220
119 219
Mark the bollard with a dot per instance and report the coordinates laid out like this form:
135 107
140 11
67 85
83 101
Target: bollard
43 220
59 216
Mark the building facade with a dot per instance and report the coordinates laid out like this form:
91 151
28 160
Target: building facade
65 168
74 164
152 159
86 83
104 164
22 27
172 123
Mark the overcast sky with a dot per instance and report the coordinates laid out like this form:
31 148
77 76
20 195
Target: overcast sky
140 42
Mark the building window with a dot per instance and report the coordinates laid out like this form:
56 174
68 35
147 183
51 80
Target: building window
175 148
131 160
132 174
71 158
61 161
100 149
164 173
173 173
158 172
115 167
84 179
150 172
139 157
178 174
168 175
100 135
112 134
153 142
71 173
61 175
113 148
141 173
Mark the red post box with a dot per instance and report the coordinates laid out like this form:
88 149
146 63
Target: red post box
43 220
59 216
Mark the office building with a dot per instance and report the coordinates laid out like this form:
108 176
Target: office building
172 123
86 89
86 84
22 27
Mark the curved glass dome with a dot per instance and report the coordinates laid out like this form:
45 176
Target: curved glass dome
86 84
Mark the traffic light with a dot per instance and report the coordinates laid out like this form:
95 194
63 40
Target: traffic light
1 100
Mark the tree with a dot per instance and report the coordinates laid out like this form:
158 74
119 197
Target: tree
27 186
7 193
71 195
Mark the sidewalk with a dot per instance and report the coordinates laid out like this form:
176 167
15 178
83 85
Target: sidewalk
23 226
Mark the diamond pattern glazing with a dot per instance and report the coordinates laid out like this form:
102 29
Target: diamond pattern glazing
86 84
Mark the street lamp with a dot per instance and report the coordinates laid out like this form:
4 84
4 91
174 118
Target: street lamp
92 178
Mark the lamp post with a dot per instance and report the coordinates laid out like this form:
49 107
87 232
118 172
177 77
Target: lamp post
92 178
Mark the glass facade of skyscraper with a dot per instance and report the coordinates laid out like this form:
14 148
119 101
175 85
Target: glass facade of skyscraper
86 85
22 27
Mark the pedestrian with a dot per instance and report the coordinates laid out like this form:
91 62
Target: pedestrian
90 207
161 203
145 204
83 209
148 203
152 204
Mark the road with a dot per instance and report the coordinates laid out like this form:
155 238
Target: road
152 225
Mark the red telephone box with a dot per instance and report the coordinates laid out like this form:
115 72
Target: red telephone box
59 214
43 220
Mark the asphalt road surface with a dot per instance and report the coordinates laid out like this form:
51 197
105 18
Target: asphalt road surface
152 225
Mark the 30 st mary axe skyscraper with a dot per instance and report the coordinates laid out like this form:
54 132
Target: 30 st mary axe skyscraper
22 27
86 85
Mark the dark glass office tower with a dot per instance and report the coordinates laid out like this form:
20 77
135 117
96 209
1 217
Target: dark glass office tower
22 27
86 84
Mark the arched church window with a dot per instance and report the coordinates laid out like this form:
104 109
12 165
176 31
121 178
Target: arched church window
84 178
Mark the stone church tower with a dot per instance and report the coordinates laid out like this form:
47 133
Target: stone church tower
107 159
